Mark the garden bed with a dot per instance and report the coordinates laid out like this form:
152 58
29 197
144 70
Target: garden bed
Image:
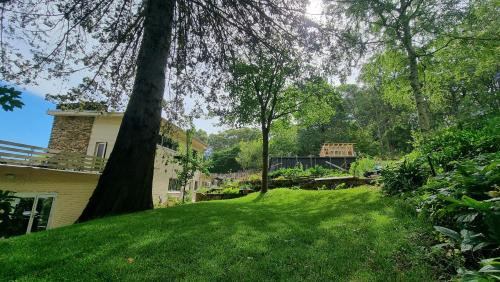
325 183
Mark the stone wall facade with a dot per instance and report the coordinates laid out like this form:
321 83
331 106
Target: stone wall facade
71 133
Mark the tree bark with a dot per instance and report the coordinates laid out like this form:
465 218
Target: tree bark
421 104
265 159
126 182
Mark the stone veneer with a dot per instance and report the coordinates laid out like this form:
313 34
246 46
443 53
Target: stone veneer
71 133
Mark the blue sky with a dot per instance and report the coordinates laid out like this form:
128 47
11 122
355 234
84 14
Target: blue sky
30 125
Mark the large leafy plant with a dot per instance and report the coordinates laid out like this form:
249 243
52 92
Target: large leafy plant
404 177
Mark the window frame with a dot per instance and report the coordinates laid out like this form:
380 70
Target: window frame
173 182
36 196
96 149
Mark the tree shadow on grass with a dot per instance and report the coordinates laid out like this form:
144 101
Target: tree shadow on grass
325 236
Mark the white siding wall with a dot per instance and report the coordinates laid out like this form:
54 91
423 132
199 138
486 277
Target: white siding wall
72 189
105 129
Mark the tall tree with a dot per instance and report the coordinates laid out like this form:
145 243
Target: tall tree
255 95
405 26
260 91
150 41
232 137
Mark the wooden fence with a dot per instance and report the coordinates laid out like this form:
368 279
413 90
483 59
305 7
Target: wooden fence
21 154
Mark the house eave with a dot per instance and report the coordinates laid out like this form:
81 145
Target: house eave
108 114
84 113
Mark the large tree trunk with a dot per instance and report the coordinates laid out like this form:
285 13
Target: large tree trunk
422 107
265 159
126 183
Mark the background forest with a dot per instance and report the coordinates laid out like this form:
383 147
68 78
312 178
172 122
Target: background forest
461 80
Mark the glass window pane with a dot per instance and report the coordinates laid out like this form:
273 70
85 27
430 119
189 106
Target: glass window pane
42 213
100 150
172 185
20 216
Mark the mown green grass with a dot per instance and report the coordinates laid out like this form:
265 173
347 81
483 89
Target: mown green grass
287 235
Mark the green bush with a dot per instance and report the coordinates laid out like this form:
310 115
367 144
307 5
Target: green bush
463 198
362 165
11 220
230 190
448 146
404 177
316 171
287 172
254 177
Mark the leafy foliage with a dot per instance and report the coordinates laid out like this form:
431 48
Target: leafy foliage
404 177
11 221
463 199
316 171
225 147
10 98
232 137
225 160
448 146
363 165
250 155
189 162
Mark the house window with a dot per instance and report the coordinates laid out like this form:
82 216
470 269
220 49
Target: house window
167 142
30 212
172 185
100 149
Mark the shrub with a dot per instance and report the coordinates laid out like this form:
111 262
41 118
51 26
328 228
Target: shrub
203 190
448 146
230 190
341 186
287 172
463 199
254 177
11 221
362 165
406 176
316 171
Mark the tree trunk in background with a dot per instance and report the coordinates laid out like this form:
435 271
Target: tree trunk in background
422 109
126 182
265 159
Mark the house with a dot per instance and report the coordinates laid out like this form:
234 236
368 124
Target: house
54 184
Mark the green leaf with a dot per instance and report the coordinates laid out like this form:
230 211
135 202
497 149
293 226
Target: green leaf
448 232
477 205
467 218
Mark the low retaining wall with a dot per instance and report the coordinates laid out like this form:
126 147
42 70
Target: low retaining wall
306 184
200 197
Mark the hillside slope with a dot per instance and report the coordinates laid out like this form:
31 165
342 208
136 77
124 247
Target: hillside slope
353 234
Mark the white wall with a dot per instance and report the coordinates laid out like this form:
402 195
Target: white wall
105 129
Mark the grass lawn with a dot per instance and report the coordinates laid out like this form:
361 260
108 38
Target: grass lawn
346 235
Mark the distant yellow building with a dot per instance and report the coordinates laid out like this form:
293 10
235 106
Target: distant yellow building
54 184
